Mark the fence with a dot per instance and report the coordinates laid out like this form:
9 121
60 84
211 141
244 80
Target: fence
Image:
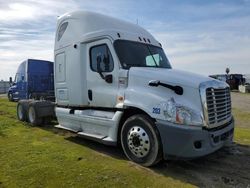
4 86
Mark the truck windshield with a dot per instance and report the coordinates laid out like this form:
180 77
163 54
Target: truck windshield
136 54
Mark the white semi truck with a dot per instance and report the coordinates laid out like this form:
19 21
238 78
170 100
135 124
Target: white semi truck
114 84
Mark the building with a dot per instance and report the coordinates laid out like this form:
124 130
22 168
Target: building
4 86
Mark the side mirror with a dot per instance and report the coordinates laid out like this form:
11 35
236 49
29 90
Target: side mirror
109 78
98 61
106 63
10 80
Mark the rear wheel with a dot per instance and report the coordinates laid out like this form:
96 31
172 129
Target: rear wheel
21 114
141 141
33 117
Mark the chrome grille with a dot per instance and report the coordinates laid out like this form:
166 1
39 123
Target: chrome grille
218 105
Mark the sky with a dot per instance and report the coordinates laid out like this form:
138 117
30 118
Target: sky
198 36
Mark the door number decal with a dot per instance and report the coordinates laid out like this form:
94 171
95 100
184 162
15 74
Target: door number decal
156 110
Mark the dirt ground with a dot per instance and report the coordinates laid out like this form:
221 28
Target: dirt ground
241 101
241 109
3 95
228 167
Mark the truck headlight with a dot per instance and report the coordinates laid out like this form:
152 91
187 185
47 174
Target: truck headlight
180 114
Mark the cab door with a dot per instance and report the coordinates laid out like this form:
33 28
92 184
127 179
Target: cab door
102 74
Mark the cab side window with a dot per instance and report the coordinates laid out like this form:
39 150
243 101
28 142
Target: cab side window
101 59
153 60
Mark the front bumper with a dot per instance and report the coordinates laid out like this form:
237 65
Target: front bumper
187 142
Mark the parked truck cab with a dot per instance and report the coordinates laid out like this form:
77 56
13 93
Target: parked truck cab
34 79
114 84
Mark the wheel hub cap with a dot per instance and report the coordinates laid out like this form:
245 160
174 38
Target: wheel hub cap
138 141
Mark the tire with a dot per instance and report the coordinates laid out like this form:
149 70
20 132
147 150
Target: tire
33 117
21 112
10 97
140 140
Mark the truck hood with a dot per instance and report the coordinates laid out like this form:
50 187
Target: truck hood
169 76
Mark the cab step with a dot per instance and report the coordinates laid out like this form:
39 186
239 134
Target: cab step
66 128
91 135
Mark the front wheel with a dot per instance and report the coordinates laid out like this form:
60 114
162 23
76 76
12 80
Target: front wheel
10 97
141 141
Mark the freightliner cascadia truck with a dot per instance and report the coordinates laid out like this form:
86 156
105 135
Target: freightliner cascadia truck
115 85
34 79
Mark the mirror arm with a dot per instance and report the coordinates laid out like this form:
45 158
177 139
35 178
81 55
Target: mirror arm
108 78
101 75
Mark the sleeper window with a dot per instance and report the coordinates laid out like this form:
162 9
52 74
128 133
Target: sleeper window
62 30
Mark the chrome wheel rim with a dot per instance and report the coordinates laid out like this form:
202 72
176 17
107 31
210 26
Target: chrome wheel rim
138 141
32 114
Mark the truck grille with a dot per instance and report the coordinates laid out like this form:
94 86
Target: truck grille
218 105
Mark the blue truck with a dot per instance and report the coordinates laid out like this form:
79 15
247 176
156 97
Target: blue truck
34 80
